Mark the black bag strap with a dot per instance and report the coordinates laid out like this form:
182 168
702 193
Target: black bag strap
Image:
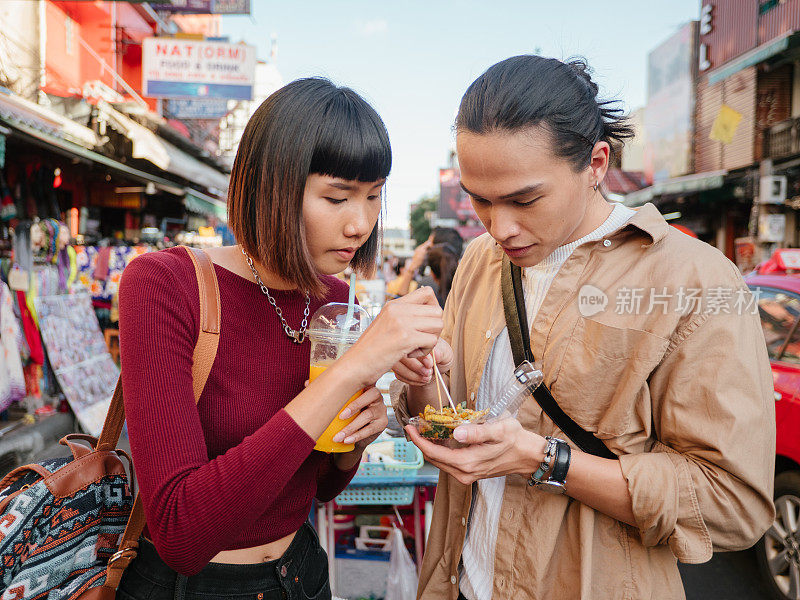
519 335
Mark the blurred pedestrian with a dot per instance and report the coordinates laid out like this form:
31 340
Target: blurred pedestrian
442 260
407 272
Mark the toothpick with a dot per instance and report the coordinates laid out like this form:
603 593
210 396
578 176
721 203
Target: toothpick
442 385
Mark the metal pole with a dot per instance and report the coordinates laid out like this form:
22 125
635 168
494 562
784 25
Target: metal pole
114 74
331 547
417 531
42 51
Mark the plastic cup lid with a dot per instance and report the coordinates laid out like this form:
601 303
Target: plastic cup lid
331 323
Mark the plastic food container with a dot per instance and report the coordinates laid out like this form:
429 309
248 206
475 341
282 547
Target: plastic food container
438 426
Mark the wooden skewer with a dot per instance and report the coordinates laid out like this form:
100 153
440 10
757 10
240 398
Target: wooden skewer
441 384
438 387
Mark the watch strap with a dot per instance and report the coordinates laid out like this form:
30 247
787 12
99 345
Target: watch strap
561 462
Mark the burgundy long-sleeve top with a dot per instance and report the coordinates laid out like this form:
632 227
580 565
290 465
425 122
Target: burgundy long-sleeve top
235 470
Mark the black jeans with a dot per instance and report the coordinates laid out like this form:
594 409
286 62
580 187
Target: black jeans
300 574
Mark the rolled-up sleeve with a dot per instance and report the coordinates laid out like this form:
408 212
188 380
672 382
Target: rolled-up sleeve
707 483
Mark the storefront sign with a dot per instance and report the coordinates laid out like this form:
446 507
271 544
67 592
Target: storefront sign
454 202
108 197
788 258
706 27
669 114
745 253
772 227
204 7
232 7
196 109
179 68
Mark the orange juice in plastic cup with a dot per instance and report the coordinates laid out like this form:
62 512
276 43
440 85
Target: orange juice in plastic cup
331 335
325 442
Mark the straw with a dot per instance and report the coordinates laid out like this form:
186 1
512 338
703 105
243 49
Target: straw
351 305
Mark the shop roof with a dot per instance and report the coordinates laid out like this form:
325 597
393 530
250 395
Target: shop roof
15 109
149 146
622 182
686 184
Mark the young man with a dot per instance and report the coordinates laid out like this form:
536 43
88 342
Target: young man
648 340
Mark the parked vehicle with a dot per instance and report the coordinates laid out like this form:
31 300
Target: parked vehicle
776 284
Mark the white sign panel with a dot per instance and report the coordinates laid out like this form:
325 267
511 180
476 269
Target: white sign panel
772 227
177 68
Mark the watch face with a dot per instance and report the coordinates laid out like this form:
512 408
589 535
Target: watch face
552 487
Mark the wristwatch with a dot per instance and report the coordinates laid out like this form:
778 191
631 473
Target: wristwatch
558 474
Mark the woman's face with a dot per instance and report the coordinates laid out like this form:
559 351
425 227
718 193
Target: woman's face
339 216
529 200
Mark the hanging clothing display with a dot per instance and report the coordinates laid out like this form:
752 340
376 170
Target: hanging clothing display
107 263
31 330
12 379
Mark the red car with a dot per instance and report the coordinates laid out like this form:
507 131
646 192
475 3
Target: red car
777 286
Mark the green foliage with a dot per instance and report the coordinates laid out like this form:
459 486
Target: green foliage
419 223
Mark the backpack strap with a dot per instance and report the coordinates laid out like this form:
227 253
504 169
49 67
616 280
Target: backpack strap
519 336
205 351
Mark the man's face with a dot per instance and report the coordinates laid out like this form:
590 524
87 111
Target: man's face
529 200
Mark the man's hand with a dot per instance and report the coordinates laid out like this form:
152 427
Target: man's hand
495 449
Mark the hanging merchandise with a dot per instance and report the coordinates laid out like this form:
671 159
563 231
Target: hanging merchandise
2 151
12 379
33 378
8 209
72 257
101 275
31 331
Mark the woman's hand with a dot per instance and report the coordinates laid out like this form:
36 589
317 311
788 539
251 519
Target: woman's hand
370 422
419 371
407 327
496 449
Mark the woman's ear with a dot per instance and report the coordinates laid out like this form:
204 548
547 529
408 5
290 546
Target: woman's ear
599 161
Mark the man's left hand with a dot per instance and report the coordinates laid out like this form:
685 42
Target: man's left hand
494 449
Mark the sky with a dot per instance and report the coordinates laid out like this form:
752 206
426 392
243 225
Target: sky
413 60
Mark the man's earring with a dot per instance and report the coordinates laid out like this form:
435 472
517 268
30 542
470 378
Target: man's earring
594 187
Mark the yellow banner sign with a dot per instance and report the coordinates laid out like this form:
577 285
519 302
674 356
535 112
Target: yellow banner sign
725 124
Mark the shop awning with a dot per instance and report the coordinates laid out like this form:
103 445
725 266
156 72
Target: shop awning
17 110
72 150
149 146
697 182
200 203
753 57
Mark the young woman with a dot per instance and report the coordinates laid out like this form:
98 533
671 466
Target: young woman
682 395
227 484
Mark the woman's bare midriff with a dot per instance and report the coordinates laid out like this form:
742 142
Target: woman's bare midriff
256 554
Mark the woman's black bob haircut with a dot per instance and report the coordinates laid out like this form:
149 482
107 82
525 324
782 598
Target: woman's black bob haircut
310 126
528 90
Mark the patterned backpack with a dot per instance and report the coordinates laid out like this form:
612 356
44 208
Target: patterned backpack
69 527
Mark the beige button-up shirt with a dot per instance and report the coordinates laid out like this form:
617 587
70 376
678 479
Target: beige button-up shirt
651 340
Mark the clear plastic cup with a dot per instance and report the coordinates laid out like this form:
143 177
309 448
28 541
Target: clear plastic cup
332 334
438 427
